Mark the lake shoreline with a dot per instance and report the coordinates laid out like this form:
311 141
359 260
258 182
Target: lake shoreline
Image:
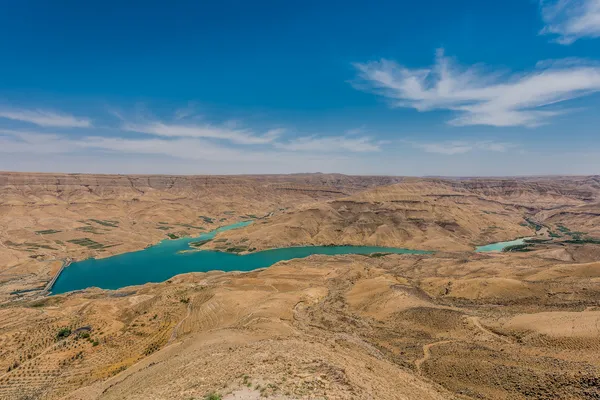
148 265
137 268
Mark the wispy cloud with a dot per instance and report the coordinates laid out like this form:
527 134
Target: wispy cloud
45 118
571 20
193 149
231 134
351 141
452 147
479 96
185 139
331 144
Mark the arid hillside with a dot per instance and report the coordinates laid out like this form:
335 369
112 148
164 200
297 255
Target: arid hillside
430 214
47 218
453 324
505 326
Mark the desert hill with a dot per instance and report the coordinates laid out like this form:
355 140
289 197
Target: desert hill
453 324
47 218
343 327
418 214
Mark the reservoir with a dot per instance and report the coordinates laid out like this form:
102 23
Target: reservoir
165 260
499 246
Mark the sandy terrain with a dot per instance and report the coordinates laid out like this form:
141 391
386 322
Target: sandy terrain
50 217
453 324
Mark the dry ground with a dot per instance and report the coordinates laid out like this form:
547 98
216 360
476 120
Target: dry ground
454 324
345 327
47 218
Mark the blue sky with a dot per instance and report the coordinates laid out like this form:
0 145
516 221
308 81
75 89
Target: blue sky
461 88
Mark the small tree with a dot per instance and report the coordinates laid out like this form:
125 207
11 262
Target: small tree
63 333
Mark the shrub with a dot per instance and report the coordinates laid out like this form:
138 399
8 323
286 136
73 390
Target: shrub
517 247
579 240
63 333
213 396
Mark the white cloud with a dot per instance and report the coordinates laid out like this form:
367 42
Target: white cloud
231 134
331 144
571 20
482 97
452 147
185 148
45 118
183 140
31 151
14 142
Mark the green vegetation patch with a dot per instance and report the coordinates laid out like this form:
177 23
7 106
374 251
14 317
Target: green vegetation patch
191 226
378 255
577 236
537 241
206 219
108 246
164 228
237 249
112 224
172 236
63 333
533 225
199 243
583 241
563 228
518 248
30 246
47 232
89 229
89 243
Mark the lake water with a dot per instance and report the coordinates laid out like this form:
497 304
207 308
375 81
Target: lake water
165 260
499 246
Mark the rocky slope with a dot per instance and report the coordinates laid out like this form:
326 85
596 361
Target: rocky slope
46 218
418 214
475 326
449 325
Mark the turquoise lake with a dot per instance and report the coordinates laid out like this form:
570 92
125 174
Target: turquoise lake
499 246
165 260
